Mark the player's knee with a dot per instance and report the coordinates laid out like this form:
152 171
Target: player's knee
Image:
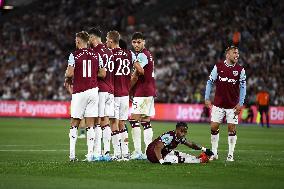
214 126
231 128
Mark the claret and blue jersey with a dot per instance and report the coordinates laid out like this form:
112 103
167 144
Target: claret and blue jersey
145 85
230 83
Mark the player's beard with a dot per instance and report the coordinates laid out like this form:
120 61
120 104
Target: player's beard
233 61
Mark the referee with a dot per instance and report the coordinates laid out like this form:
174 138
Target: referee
262 101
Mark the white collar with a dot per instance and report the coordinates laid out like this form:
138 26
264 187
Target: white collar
225 62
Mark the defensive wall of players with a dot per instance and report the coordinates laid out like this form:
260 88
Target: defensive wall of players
164 112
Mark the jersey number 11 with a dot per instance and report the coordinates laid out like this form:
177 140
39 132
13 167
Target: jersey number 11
87 68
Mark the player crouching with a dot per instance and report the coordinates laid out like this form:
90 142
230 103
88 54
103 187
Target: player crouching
161 150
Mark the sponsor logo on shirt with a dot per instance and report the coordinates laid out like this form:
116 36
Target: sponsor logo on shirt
235 73
226 79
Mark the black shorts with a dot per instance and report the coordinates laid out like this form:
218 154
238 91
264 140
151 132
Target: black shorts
263 109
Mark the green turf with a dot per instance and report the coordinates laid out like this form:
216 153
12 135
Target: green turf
34 154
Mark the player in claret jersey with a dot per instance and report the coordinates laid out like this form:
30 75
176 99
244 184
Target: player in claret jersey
123 65
143 101
162 150
106 95
84 66
230 80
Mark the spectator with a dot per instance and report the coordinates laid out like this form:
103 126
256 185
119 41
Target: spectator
34 44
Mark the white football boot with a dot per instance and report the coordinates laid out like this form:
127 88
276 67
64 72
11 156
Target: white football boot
230 158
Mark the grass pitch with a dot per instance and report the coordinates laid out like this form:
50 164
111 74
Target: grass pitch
34 154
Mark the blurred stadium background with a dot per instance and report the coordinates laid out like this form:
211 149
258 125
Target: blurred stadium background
186 37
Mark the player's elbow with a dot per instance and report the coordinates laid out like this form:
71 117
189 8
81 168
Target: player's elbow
139 69
69 73
209 82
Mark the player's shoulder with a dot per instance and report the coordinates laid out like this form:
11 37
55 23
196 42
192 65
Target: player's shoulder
167 137
220 64
84 51
79 52
169 133
102 49
114 50
240 67
146 52
128 53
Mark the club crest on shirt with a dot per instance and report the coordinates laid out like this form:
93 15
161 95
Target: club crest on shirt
235 73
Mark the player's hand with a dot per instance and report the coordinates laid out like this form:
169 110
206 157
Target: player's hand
68 85
70 89
208 152
237 109
208 104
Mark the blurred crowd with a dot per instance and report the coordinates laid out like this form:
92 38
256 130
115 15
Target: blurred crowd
186 42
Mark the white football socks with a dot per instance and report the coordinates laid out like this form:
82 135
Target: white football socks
136 135
73 138
90 141
98 141
214 143
232 140
116 138
124 143
106 138
148 136
148 133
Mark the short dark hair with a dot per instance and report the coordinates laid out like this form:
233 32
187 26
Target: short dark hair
138 35
83 35
181 124
230 48
95 31
122 44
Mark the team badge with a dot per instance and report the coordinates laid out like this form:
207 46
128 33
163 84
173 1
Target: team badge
235 73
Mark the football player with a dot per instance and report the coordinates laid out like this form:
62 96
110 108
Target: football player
161 150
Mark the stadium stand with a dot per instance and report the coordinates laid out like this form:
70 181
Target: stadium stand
186 37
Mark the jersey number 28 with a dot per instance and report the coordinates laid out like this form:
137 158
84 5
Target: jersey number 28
123 68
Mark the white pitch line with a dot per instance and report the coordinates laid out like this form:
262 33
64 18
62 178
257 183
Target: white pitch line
33 150
23 145
63 150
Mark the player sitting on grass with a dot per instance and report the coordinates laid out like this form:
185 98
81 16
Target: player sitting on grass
161 150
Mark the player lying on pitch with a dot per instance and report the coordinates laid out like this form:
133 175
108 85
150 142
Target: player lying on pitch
161 150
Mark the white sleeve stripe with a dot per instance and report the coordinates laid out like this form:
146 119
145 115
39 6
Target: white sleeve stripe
243 75
142 58
71 60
